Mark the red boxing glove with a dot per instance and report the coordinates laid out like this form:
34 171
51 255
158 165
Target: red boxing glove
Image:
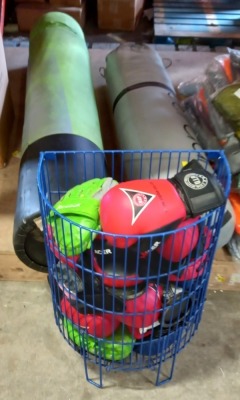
196 267
140 207
144 310
100 326
151 206
179 244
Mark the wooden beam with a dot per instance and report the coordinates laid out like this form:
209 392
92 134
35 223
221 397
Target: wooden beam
12 269
213 32
225 274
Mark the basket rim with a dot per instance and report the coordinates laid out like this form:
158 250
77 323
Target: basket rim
214 154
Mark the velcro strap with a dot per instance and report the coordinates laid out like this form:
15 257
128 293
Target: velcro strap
198 188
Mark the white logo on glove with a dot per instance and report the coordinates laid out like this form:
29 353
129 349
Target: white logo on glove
196 181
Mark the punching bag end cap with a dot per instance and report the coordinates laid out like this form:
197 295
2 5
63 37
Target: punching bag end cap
29 246
55 19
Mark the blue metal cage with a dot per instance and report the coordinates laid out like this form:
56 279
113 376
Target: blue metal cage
119 309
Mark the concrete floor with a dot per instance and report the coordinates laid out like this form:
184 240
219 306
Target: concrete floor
37 363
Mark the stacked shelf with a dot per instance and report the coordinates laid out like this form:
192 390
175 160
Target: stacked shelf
202 20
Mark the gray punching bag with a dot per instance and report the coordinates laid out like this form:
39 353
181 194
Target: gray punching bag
147 115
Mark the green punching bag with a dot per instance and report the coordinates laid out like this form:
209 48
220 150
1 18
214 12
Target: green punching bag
60 96
60 114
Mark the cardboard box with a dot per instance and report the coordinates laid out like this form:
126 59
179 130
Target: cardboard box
120 15
31 1
6 109
67 3
28 14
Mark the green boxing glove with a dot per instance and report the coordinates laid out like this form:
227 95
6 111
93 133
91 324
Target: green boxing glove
113 348
79 205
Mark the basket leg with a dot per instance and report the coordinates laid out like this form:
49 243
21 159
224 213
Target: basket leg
165 370
98 381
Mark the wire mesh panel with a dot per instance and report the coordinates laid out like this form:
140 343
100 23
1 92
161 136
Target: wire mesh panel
130 251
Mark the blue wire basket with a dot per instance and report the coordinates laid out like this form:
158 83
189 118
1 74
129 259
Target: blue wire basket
132 308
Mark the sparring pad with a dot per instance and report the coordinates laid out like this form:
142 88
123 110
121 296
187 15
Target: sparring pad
80 205
116 347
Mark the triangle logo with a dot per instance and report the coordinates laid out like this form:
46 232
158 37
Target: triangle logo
139 201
